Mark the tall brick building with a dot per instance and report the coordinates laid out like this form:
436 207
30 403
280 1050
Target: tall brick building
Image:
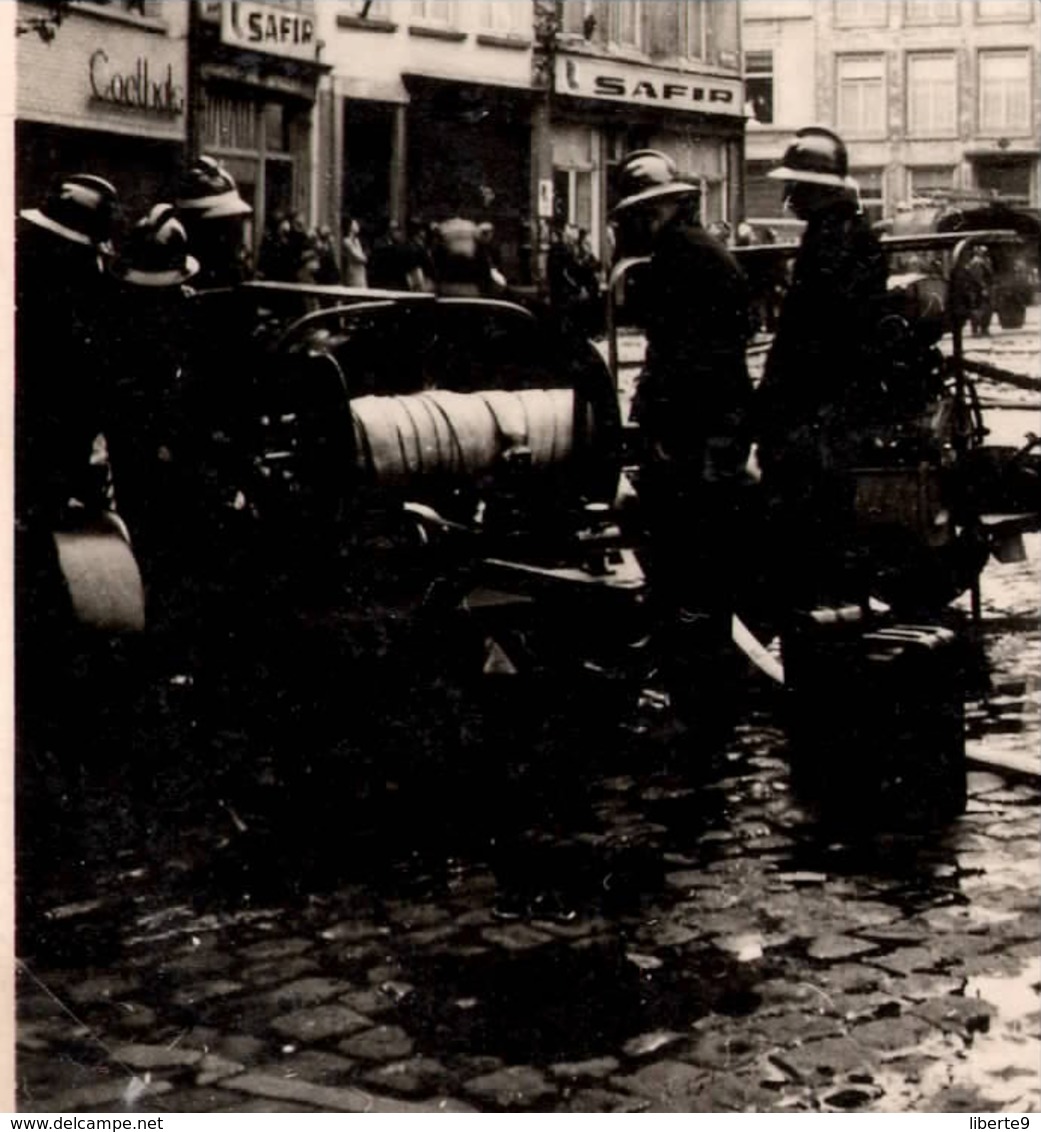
928 94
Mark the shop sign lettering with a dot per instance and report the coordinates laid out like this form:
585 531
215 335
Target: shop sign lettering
269 27
589 78
137 89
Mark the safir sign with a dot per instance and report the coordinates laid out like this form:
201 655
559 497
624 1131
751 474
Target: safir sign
598 78
269 27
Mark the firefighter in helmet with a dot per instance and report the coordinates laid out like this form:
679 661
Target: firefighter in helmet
817 391
61 248
214 215
692 406
144 405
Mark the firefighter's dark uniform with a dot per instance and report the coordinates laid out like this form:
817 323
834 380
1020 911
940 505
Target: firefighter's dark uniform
693 408
817 394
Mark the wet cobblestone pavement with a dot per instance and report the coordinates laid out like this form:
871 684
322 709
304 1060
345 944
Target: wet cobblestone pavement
685 936
706 944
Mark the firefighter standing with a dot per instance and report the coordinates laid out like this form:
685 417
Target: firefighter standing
214 215
60 352
818 389
692 405
144 395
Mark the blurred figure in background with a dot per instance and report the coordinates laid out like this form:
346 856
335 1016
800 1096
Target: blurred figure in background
355 261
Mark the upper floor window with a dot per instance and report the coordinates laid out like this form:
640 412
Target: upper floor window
433 12
932 95
574 15
625 23
759 86
861 94
1004 91
931 11
505 17
146 9
861 13
372 9
998 11
693 29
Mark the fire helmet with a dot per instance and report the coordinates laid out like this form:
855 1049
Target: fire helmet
80 208
816 157
208 192
156 252
649 174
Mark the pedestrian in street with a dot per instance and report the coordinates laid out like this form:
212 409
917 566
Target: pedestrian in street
61 297
355 259
979 279
390 262
328 273
692 405
493 280
563 274
214 216
819 385
459 269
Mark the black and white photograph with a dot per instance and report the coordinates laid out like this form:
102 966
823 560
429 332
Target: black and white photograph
525 556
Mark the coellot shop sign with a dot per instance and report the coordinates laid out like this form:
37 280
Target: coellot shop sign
269 27
140 88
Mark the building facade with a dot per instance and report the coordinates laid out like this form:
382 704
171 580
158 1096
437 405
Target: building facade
518 113
256 69
430 116
662 74
107 95
928 94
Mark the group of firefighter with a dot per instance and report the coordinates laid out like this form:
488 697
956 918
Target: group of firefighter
100 330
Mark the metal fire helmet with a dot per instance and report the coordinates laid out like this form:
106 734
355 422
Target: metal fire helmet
208 192
649 174
156 252
80 208
816 157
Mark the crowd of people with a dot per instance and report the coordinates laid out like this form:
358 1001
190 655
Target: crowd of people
454 257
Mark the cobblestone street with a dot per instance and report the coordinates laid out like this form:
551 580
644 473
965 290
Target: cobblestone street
197 933
706 944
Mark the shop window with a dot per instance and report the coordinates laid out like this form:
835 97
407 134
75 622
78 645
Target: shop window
1004 91
1002 11
275 137
759 86
861 13
925 12
573 198
440 12
861 95
872 197
927 180
1006 179
625 23
230 123
932 96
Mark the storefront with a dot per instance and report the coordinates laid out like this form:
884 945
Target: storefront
258 72
107 96
604 108
469 154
